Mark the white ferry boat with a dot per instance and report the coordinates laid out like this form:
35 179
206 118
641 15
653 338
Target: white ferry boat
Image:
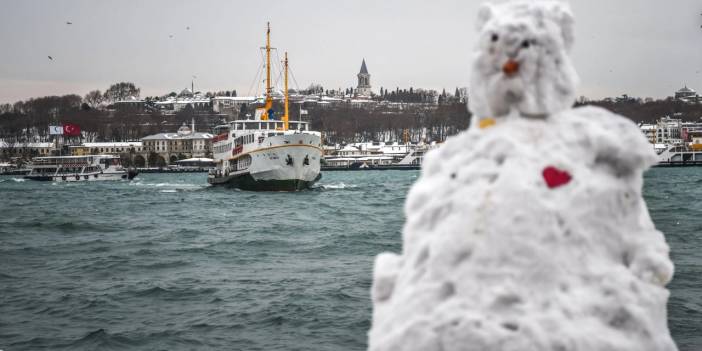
377 155
264 153
680 155
79 168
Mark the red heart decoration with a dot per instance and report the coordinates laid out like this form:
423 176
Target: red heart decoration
555 177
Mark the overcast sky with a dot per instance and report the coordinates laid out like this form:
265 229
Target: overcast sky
646 48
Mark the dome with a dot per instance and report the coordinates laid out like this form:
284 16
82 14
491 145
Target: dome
186 92
686 90
184 130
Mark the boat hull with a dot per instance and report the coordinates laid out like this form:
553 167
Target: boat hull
84 177
248 182
291 167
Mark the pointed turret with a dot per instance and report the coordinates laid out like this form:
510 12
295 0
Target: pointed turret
364 70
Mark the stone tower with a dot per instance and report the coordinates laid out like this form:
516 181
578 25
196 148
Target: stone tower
364 87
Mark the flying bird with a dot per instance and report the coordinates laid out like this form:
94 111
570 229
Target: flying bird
69 22
170 36
187 28
51 58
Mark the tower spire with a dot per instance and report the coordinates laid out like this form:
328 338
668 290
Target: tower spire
364 87
364 69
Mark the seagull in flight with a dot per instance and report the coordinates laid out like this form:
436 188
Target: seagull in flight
170 36
69 22
51 58
187 28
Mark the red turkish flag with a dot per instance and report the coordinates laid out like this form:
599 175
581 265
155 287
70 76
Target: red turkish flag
70 129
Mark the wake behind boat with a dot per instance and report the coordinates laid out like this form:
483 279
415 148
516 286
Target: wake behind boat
79 168
264 153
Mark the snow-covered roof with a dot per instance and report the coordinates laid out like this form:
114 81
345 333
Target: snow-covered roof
235 98
130 99
113 144
329 98
181 101
176 136
4 144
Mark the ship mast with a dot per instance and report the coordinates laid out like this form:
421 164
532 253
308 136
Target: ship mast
285 116
269 96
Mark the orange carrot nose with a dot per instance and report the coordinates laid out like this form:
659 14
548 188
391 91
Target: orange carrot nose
510 68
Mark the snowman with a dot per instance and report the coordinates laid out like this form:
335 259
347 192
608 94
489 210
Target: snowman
528 231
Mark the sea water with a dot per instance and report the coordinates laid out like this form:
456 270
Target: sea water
167 262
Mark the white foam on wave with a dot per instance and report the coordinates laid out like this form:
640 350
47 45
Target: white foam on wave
339 185
179 186
18 180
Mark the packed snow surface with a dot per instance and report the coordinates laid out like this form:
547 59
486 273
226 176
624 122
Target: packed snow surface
528 232
536 36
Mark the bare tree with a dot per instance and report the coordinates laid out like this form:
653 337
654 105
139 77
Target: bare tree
94 98
121 91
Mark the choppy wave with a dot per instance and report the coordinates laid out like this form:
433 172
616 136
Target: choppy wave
100 339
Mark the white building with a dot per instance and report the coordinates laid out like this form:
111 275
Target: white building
668 131
109 147
231 104
649 130
186 142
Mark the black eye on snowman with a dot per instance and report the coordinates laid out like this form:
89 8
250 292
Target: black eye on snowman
526 44
494 37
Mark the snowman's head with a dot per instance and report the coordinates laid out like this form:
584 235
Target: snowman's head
521 61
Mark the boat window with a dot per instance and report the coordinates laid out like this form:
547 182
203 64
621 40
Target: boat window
253 125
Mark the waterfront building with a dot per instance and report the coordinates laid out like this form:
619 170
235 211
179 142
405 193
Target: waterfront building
186 142
364 86
649 130
33 149
669 131
106 148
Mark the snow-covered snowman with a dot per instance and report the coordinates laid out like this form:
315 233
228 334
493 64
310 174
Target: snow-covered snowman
522 63
528 231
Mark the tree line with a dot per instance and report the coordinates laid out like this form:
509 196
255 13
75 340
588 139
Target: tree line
28 120
416 123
